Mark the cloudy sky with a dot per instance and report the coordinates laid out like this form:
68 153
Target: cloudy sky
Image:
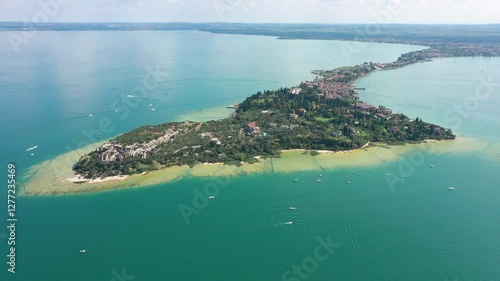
287 11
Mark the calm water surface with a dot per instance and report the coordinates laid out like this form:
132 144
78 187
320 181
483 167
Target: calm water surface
416 230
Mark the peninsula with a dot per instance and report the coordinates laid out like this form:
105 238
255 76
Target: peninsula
321 115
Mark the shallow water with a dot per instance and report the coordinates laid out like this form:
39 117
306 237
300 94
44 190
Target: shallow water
387 227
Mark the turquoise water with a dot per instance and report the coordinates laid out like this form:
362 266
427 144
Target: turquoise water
415 230
458 93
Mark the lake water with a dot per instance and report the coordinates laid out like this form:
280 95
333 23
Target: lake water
413 230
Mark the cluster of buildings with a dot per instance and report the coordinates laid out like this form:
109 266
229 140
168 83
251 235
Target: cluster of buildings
329 89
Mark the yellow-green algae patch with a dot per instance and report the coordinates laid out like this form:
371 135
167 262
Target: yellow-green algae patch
50 177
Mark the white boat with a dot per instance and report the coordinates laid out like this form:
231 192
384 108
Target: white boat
153 109
387 174
83 251
349 182
90 115
451 188
320 175
400 177
296 180
292 208
359 173
432 166
288 222
318 180
211 197
32 154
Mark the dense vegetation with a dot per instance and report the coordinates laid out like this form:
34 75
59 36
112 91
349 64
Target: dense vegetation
286 121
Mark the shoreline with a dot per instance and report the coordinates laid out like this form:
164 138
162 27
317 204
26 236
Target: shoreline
49 179
53 178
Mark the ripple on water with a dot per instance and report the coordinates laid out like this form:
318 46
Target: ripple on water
493 152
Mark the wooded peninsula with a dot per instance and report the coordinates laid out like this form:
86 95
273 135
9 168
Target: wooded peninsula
319 115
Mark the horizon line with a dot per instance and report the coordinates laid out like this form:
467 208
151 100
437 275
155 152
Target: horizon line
243 23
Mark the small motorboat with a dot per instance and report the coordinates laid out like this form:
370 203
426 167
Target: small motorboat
451 188
288 222
296 180
211 197
432 166
348 182
320 175
292 208
83 251
359 173
318 180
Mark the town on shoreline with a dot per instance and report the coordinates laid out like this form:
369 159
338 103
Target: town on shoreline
323 115
320 115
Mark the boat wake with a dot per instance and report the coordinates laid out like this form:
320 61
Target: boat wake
284 223
31 148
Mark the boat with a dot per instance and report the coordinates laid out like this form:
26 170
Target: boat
32 154
318 180
153 109
349 182
432 166
288 222
150 104
90 115
387 174
400 177
296 180
359 173
320 175
292 208
83 251
451 188
211 197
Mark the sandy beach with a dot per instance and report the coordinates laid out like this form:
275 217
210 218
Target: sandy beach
55 176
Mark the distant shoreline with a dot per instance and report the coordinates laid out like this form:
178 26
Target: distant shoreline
60 185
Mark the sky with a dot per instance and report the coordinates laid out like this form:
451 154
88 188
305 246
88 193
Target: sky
254 11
